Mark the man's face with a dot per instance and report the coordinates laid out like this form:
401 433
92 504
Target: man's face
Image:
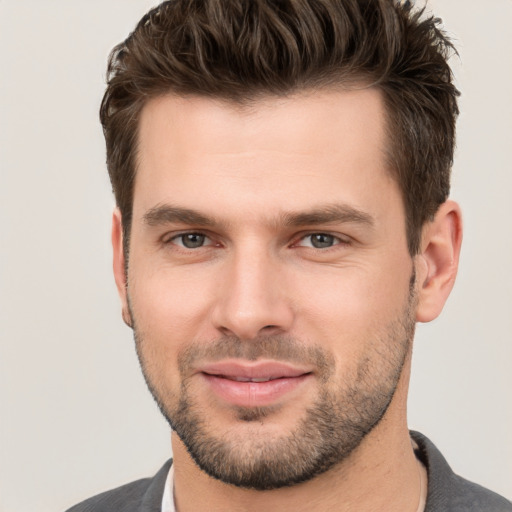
269 280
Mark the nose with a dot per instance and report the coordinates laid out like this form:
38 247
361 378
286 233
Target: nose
252 297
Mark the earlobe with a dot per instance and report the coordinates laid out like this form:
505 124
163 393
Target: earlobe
438 261
119 265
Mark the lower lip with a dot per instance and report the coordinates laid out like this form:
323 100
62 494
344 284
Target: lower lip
254 394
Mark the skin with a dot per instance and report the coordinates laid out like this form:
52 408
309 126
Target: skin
250 169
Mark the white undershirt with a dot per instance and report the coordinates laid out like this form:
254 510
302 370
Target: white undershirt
168 498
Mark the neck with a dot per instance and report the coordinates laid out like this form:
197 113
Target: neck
380 474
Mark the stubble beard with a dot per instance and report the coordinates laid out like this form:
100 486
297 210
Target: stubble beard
330 429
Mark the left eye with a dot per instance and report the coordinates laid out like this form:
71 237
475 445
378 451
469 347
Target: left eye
319 241
191 240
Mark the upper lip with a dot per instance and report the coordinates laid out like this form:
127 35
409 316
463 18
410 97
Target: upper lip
249 370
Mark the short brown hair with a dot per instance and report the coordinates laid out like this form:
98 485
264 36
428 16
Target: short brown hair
239 50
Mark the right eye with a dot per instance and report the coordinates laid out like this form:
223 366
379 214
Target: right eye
191 240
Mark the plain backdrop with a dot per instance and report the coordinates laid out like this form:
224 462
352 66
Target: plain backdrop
75 415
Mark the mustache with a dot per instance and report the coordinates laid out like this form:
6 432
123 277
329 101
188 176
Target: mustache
276 347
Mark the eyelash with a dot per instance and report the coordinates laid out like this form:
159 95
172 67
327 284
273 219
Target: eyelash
172 240
336 240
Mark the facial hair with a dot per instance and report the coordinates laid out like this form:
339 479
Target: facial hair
346 409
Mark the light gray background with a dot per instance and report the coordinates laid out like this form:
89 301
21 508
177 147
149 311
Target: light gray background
75 416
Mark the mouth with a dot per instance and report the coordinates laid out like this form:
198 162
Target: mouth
248 379
254 384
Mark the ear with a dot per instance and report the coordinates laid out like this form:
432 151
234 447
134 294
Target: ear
119 265
438 261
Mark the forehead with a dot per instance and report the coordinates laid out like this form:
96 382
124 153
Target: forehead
309 120
291 150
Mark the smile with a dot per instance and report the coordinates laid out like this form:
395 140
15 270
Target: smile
254 384
249 379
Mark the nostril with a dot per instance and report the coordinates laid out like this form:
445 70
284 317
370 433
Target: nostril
270 329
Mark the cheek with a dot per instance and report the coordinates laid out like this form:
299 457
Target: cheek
170 304
352 293
348 308
164 312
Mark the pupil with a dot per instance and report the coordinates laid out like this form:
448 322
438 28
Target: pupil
321 241
193 240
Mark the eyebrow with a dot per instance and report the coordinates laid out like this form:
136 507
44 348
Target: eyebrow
167 214
326 214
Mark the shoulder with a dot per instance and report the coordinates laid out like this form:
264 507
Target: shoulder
450 492
143 495
126 497
473 497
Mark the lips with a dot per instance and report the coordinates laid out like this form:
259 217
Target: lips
249 379
253 384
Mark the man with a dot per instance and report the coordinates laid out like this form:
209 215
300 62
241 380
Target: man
281 172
